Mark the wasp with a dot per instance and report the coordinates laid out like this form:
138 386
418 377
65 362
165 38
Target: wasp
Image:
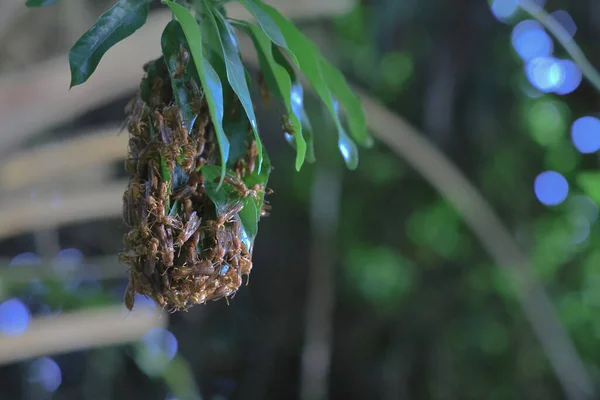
192 256
189 154
150 264
166 133
188 230
241 187
129 295
167 246
265 94
286 125
252 155
184 59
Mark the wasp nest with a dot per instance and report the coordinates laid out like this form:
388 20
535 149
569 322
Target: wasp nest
183 248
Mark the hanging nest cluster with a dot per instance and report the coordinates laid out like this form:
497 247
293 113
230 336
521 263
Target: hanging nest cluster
183 247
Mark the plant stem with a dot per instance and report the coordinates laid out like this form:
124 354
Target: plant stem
564 39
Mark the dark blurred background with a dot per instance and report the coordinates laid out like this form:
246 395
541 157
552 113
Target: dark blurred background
367 284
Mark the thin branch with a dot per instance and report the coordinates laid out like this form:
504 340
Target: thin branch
83 329
86 204
409 144
105 268
87 148
563 37
320 299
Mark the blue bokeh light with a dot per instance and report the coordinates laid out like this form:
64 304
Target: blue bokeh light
14 317
565 19
46 372
551 188
545 73
27 258
71 254
530 40
160 342
548 74
571 77
585 133
144 302
503 9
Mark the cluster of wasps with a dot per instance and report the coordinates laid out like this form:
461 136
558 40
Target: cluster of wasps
181 248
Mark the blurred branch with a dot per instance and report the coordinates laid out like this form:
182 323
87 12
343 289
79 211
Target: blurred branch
106 267
68 332
20 216
316 354
86 149
563 38
9 12
408 143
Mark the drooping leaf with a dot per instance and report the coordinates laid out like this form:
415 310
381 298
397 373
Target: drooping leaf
236 72
176 53
265 21
250 214
308 133
354 109
281 60
40 3
279 83
209 78
116 24
164 170
308 58
345 144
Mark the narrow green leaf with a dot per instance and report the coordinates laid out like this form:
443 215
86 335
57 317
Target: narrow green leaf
176 53
250 214
308 58
164 170
280 84
209 78
351 103
116 24
39 3
281 60
308 133
236 72
265 21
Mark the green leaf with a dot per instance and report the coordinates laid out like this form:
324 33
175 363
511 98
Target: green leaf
39 3
265 21
250 214
176 53
352 104
116 24
279 82
308 58
308 133
164 170
281 60
209 78
236 72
